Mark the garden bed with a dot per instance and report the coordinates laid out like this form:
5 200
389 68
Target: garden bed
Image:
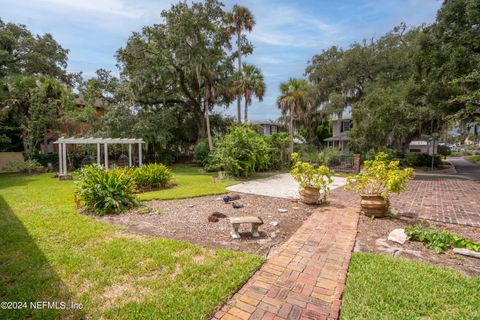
370 230
187 219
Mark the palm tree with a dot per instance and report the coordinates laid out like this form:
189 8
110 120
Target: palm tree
248 84
238 20
296 100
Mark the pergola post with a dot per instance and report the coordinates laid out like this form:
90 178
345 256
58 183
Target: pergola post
105 150
130 155
98 153
64 154
140 162
60 159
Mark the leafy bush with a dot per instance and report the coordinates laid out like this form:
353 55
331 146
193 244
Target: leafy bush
277 149
152 175
391 154
380 177
201 153
241 152
106 191
420 160
307 176
28 166
44 159
444 151
330 157
440 240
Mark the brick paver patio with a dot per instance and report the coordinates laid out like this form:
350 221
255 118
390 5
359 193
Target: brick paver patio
440 199
305 277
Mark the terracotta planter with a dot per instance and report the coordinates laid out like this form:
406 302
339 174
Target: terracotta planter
309 195
374 206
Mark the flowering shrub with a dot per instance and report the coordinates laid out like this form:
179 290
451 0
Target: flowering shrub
380 177
307 176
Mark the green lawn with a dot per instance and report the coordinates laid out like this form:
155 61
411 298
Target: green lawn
191 182
51 253
383 287
475 159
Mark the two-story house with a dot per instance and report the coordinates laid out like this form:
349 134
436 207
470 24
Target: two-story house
340 131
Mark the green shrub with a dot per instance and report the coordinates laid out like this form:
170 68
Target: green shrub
278 150
330 157
201 153
420 160
440 240
44 159
106 191
391 154
152 175
27 166
241 152
444 151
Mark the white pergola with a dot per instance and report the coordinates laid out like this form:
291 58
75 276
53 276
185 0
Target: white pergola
62 149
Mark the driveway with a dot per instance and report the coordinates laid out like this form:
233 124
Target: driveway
279 186
466 168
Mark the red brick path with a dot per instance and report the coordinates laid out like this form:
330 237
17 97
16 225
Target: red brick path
306 277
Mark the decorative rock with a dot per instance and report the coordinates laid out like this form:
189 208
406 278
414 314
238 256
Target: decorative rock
212 218
218 215
233 196
226 199
219 199
273 235
398 236
64 177
357 247
382 242
282 210
296 208
467 252
191 206
237 204
274 223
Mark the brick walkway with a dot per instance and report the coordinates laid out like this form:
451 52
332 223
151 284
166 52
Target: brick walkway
306 277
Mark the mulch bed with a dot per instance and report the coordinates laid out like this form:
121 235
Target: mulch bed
369 230
187 219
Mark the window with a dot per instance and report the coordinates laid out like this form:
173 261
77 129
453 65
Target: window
346 125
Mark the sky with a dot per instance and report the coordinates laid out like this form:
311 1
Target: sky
286 36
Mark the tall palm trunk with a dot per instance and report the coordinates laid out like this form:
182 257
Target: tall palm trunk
290 131
207 121
245 116
239 97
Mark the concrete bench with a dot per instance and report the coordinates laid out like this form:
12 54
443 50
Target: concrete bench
237 221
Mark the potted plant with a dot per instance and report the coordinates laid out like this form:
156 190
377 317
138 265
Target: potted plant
377 181
313 182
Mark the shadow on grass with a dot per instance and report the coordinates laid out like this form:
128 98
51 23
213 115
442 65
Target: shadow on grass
26 275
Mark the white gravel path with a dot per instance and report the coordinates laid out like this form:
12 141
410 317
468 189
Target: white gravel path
279 186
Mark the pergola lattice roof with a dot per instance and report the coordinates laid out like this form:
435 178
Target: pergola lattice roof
73 140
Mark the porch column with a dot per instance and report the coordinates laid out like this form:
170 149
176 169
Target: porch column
98 153
64 154
140 162
60 159
105 150
130 155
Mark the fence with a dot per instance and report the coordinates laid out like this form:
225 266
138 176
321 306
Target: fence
346 163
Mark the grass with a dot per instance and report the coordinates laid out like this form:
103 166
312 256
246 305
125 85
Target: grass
51 253
475 158
191 182
383 287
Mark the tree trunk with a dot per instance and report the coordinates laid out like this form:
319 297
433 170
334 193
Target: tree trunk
200 119
207 121
239 97
290 131
246 112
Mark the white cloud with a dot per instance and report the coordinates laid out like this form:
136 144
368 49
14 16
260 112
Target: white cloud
107 7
